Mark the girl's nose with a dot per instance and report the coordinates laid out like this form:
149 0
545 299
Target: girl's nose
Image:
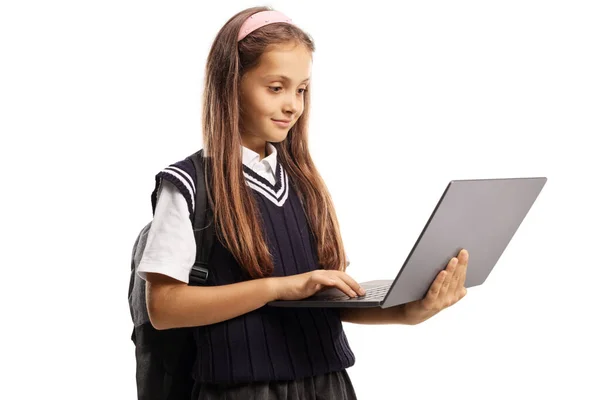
292 103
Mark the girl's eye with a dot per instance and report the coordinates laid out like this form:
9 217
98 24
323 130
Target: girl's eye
279 87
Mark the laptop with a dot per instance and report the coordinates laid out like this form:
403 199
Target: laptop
480 215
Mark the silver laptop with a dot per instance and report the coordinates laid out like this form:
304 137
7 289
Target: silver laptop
480 215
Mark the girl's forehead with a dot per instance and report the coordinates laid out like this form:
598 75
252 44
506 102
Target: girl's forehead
295 65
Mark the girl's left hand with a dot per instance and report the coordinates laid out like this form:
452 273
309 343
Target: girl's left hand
447 289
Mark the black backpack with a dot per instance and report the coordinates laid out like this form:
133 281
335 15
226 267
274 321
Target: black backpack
165 358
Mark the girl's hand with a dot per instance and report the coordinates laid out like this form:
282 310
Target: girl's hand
301 286
446 290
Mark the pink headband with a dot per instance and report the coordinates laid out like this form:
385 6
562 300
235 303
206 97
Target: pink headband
259 19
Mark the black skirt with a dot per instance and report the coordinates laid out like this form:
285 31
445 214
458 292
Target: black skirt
332 386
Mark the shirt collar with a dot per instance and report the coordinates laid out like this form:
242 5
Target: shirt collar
250 157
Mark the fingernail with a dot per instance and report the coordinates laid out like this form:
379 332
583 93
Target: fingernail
362 291
353 293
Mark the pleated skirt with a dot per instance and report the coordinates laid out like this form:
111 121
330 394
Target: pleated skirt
332 386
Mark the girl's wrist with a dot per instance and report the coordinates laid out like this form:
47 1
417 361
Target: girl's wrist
271 288
413 313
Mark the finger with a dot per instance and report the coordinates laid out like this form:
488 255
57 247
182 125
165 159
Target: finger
463 256
350 282
434 290
461 274
344 287
465 263
460 290
446 294
332 279
455 279
450 270
463 277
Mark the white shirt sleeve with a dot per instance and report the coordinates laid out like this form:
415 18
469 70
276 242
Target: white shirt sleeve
171 247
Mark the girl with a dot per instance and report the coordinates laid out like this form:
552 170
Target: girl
278 234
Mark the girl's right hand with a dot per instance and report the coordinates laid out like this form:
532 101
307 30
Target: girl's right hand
301 286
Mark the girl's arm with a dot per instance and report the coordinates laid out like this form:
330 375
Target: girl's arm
376 316
174 304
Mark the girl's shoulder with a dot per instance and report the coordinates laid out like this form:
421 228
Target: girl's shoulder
182 174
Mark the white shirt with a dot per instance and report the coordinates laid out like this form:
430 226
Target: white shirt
171 246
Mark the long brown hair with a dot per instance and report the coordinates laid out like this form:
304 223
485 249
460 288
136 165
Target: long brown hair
236 214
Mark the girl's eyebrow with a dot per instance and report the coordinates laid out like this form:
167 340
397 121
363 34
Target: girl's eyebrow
283 77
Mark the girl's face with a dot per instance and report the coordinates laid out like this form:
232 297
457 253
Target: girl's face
274 90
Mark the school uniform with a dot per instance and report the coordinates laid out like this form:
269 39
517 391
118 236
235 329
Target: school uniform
268 353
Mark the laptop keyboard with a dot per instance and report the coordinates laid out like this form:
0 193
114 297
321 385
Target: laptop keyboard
372 294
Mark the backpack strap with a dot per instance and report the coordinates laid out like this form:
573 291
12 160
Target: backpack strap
203 223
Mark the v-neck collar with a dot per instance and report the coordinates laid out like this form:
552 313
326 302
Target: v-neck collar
278 177
277 193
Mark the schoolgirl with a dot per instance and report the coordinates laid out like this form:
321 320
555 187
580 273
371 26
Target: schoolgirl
278 234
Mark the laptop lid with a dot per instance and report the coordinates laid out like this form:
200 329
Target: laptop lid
480 215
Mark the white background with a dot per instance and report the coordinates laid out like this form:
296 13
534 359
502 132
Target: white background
97 97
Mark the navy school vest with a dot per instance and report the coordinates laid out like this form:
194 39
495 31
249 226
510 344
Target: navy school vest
269 343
